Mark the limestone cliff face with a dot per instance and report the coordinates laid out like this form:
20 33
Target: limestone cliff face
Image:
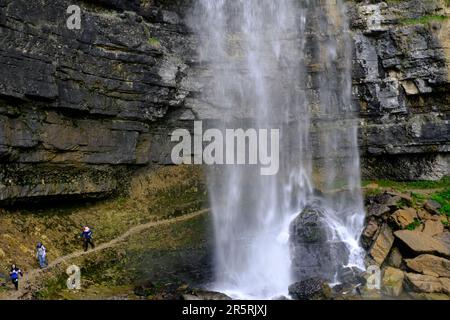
81 109
402 84
78 108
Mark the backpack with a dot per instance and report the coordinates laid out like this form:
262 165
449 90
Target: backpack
14 275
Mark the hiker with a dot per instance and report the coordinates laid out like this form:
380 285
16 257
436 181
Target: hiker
14 275
87 238
41 254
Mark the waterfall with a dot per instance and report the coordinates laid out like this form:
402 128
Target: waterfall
281 64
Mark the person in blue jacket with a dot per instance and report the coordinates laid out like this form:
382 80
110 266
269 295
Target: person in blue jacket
14 275
86 235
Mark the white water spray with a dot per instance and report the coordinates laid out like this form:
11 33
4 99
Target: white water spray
281 64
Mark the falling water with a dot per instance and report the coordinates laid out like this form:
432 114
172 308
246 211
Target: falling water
281 64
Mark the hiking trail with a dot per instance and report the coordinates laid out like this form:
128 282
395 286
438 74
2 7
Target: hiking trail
30 276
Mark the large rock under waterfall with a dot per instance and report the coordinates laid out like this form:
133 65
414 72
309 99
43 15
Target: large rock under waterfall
313 253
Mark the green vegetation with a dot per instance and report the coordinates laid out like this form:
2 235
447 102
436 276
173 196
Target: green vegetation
420 191
446 209
154 42
443 198
410 185
414 225
373 192
417 199
52 287
398 1
402 204
423 19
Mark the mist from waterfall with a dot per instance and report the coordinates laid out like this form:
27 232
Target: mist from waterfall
281 64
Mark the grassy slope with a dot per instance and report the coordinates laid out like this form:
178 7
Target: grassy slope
164 193
420 192
163 255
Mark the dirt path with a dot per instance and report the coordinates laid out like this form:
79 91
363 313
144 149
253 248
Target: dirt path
29 277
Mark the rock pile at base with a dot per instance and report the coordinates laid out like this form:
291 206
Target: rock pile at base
410 245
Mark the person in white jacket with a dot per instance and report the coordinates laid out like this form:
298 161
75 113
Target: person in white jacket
41 254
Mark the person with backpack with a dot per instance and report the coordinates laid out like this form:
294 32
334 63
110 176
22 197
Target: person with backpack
86 235
14 275
41 254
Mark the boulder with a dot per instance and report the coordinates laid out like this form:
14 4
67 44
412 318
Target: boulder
436 217
424 215
430 265
432 206
205 295
395 258
427 284
310 226
392 283
423 283
377 210
444 238
433 227
312 255
393 201
351 276
420 242
445 285
388 199
400 197
381 198
404 217
429 296
382 245
369 232
310 289
369 294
